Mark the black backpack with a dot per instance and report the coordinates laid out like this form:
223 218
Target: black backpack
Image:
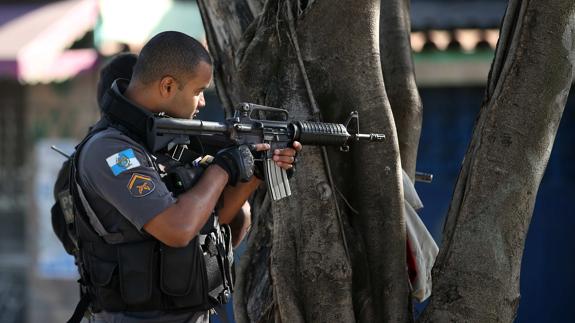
63 210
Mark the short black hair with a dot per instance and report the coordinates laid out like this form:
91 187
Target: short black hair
170 53
119 66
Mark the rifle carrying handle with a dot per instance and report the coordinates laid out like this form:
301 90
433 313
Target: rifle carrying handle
244 110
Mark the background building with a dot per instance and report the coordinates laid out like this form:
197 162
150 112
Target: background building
43 47
49 59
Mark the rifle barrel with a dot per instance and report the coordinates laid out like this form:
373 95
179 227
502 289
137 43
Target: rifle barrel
423 177
369 137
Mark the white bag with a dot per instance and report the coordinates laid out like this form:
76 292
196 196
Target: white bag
421 247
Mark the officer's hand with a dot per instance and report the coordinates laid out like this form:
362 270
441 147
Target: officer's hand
238 162
286 158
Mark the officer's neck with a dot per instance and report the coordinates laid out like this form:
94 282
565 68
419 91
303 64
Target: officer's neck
142 96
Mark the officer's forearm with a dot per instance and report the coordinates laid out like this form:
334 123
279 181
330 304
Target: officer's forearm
241 224
234 197
177 225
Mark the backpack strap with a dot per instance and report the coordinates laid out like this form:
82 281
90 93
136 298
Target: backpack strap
80 309
78 194
110 238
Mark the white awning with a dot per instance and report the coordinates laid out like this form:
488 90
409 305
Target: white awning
34 43
123 25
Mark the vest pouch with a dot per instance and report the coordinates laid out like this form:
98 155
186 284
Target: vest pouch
137 271
183 275
215 279
101 273
104 283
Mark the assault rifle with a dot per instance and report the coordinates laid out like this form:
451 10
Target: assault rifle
245 127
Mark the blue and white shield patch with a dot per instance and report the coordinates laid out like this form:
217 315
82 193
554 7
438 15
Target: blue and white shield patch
122 161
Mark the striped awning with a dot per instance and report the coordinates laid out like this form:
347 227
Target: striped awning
34 40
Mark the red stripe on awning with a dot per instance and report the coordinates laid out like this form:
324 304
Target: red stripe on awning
36 41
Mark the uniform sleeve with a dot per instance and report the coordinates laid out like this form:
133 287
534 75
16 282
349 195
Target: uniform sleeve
118 170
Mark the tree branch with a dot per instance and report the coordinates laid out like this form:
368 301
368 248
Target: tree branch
476 278
399 76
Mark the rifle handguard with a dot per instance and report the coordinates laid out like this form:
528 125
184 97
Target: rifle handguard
320 133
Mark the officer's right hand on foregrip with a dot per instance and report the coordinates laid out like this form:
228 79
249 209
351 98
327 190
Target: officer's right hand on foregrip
238 162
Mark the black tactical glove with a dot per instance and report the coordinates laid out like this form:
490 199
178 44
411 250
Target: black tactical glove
238 162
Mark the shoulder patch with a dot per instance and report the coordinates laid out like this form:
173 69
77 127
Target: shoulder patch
122 161
141 185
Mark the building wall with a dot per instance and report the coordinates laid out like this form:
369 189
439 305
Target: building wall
62 110
56 114
547 267
13 154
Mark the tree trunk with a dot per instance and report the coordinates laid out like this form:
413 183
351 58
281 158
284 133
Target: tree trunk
476 277
399 76
319 60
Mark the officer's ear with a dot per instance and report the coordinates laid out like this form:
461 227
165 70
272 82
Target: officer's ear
168 86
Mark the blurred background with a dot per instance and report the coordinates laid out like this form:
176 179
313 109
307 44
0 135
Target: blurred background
50 55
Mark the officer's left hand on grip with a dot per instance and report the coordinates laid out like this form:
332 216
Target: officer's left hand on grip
238 162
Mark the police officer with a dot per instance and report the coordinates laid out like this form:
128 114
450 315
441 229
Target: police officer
140 256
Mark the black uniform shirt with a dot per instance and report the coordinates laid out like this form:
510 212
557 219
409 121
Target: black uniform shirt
117 173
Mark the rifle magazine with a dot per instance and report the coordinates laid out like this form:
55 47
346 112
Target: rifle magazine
276 180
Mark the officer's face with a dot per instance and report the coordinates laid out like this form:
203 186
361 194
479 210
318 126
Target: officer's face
190 97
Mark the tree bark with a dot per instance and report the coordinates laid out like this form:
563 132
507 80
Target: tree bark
399 76
301 252
225 26
476 277
352 60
